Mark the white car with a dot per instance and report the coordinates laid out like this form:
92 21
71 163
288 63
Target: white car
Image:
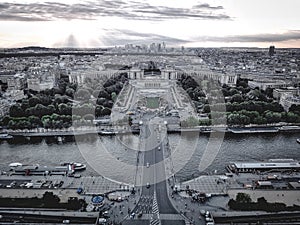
102 221
147 165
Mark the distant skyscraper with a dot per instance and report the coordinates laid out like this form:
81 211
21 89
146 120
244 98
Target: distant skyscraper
159 47
272 50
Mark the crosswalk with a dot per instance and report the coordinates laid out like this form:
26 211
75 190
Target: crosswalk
155 212
145 205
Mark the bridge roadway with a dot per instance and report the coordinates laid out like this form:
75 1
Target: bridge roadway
154 198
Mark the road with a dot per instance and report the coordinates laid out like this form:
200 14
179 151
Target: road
154 195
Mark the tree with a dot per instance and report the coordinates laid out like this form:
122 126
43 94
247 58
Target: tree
272 117
206 108
35 121
16 111
295 109
40 110
33 101
259 120
233 91
237 98
64 109
70 92
114 96
106 111
82 94
269 92
292 117
243 198
100 101
103 94
242 83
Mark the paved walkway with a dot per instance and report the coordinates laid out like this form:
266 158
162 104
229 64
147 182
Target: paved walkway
214 185
63 195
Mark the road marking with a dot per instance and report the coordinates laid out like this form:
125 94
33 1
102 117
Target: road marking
155 212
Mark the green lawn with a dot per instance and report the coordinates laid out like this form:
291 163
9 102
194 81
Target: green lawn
152 102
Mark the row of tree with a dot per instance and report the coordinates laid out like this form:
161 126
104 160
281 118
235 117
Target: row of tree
243 202
54 108
243 117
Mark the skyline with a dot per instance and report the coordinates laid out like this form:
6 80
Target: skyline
192 23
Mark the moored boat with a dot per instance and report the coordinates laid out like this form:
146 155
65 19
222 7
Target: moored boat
75 166
270 165
5 136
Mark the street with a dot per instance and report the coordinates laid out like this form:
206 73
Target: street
154 194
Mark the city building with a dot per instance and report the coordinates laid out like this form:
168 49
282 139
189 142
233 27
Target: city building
17 82
263 84
278 92
287 100
272 50
36 84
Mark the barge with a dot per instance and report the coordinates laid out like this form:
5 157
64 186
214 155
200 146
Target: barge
251 130
270 165
27 170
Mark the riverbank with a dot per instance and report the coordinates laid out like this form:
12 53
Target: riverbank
41 132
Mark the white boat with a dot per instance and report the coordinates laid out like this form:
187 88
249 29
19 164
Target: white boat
14 165
75 166
5 136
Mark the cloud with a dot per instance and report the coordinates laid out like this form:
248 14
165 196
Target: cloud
118 8
207 6
272 37
122 37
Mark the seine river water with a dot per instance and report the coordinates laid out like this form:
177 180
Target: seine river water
235 147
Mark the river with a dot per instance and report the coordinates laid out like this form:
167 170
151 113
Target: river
235 147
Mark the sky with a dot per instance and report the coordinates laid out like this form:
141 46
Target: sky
189 23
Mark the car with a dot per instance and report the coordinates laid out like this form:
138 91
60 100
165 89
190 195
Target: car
66 221
23 185
102 221
147 165
202 212
147 185
29 185
105 214
208 219
158 148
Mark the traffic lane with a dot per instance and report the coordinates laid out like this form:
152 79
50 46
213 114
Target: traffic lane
148 190
164 204
172 222
136 222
